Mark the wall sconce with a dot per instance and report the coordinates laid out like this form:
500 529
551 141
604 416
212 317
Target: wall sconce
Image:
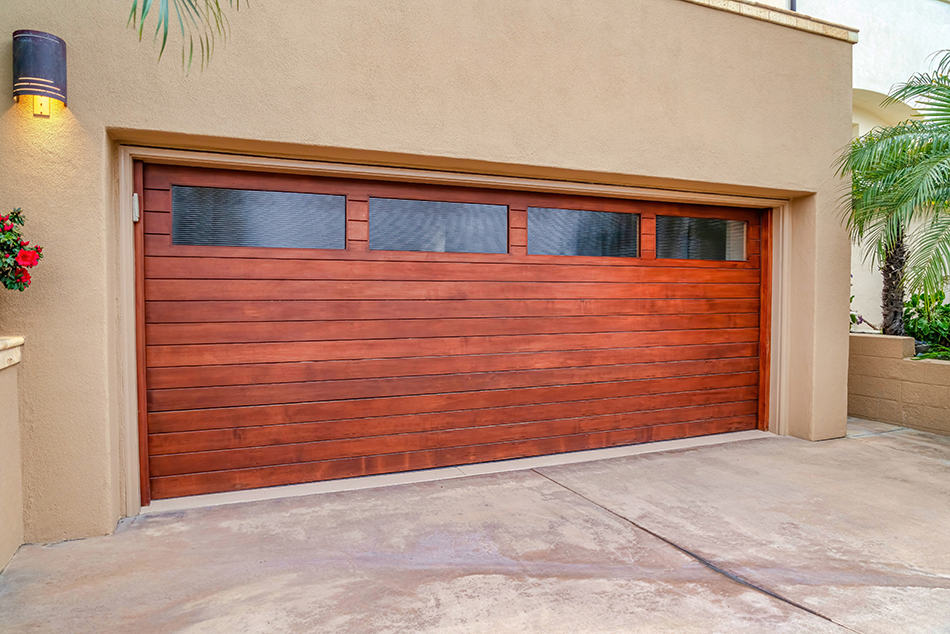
39 69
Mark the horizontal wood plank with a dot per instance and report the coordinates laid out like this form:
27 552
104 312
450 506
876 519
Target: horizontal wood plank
262 419
233 353
274 393
213 439
157 200
303 310
203 290
304 269
217 460
272 331
194 484
161 246
157 223
160 422
249 374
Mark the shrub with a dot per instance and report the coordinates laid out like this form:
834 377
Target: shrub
16 254
927 319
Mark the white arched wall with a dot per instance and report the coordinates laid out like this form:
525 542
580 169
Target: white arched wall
867 113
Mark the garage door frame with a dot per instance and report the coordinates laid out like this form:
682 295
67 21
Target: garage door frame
130 283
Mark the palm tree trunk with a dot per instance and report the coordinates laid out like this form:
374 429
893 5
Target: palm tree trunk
892 295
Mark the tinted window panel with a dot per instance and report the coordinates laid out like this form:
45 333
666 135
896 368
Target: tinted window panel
422 225
212 216
578 232
700 238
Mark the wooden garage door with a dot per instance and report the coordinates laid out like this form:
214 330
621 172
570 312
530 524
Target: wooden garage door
295 328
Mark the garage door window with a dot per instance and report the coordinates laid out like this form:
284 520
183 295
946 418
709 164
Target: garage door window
579 232
397 224
681 237
212 216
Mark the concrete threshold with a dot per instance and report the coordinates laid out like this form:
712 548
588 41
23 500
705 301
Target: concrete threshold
442 473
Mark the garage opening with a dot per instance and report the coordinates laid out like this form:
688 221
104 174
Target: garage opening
296 328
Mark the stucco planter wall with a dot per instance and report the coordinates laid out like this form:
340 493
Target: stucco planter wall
11 473
885 383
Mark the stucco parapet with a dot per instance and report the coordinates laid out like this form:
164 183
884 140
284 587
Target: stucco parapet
791 19
874 345
10 353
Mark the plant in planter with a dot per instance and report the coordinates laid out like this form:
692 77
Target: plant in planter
927 320
16 254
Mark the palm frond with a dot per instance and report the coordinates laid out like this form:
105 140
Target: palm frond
199 21
900 166
899 190
929 93
928 267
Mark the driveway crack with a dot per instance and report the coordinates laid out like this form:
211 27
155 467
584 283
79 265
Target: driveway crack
697 557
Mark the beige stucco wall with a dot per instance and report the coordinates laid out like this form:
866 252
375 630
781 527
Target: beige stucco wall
885 384
648 92
11 483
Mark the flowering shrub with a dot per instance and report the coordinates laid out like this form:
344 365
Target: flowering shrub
16 254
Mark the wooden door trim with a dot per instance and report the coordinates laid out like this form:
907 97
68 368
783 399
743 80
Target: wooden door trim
138 186
189 158
765 318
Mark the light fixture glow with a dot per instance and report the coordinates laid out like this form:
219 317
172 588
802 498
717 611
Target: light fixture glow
39 69
40 106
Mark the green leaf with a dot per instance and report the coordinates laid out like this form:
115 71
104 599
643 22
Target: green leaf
201 20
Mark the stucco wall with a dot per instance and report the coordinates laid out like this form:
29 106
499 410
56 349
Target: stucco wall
649 92
11 483
885 384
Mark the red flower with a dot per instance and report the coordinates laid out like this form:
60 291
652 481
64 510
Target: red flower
39 249
27 258
8 226
24 243
22 275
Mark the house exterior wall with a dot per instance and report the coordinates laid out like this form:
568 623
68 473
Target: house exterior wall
660 93
11 481
885 384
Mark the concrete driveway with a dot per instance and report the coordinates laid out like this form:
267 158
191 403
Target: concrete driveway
771 534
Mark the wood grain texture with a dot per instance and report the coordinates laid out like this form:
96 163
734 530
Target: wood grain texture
141 360
244 478
305 310
295 392
232 290
213 439
271 331
235 353
196 268
266 366
254 373
217 418
765 322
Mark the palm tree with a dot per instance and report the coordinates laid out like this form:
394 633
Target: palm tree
899 204
197 20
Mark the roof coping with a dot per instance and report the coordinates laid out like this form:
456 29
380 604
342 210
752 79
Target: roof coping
783 17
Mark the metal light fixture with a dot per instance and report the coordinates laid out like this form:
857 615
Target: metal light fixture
39 69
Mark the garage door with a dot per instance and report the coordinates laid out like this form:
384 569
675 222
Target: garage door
295 328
